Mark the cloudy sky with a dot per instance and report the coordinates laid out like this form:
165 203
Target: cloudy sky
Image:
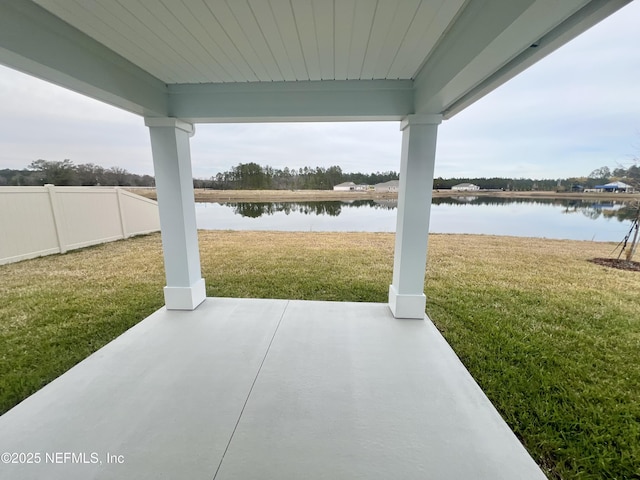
575 111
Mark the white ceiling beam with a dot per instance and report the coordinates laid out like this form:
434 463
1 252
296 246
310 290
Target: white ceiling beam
575 25
38 43
347 100
541 17
474 29
500 40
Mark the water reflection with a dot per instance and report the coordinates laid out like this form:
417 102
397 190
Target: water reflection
619 210
330 208
586 219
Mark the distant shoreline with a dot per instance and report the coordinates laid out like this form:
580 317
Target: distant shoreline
206 195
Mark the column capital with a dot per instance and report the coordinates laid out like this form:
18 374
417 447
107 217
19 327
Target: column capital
170 122
421 119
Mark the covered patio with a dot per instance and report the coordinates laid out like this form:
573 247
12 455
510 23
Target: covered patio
239 388
248 388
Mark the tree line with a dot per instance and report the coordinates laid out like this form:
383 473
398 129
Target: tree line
244 176
252 176
66 173
599 176
497 183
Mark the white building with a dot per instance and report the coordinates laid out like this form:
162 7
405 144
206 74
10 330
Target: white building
345 187
465 187
390 186
614 187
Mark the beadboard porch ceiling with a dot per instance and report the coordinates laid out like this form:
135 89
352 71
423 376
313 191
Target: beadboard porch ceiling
256 60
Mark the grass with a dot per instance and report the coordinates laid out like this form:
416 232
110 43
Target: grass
56 310
553 339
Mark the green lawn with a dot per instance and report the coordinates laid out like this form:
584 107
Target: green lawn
553 339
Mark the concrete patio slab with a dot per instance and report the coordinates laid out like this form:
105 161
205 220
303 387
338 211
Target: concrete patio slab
269 389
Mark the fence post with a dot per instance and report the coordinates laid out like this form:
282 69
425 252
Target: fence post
56 212
123 223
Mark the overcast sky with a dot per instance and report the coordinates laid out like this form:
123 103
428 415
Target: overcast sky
576 110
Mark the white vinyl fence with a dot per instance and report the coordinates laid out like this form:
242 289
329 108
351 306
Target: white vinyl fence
36 221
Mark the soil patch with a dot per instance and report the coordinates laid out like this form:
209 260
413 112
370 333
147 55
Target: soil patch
617 263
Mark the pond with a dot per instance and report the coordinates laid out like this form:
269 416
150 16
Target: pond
548 218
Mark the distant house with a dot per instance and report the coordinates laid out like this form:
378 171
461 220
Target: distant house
390 186
362 188
614 187
345 187
465 187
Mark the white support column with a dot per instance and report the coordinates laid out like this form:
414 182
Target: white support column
406 293
185 288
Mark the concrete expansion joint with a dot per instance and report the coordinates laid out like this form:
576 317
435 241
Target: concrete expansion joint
253 384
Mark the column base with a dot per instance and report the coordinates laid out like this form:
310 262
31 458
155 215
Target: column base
407 306
185 298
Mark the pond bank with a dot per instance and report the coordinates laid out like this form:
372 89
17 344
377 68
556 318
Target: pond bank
205 195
